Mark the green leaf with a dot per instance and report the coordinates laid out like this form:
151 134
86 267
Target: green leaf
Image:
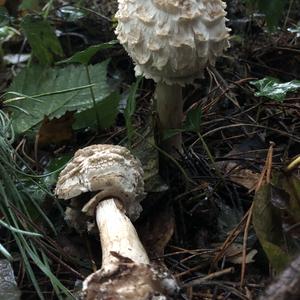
130 108
52 92
267 225
273 10
84 57
271 88
53 169
107 111
42 39
193 119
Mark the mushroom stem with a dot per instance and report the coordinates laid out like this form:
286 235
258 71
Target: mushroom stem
117 234
169 105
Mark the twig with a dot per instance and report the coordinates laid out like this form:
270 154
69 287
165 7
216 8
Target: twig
209 277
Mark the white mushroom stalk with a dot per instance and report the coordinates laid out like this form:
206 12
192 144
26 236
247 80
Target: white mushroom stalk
171 42
117 235
117 177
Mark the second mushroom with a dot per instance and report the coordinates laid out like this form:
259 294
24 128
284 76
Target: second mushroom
171 42
117 179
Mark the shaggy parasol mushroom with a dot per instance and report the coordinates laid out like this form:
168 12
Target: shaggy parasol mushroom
172 41
116 177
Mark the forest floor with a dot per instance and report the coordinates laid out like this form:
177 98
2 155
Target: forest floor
198 218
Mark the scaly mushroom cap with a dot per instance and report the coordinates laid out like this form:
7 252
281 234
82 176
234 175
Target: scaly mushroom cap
172 40
110 170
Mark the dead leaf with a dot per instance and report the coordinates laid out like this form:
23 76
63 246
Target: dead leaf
56 131
239 259
240 175
157 231
234 253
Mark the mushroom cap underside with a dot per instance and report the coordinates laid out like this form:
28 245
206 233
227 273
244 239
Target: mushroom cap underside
110 170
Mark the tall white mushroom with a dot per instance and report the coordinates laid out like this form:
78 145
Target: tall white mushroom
117 178
172 41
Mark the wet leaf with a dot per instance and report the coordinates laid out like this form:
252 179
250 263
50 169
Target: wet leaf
42 39
271 88
296 30
70 13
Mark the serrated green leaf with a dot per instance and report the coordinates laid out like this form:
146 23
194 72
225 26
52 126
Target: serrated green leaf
42 39
52 92
271 88
107 111
84 57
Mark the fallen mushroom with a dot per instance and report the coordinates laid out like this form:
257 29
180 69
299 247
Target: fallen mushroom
116 176
171 42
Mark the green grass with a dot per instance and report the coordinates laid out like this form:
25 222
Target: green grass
16 207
